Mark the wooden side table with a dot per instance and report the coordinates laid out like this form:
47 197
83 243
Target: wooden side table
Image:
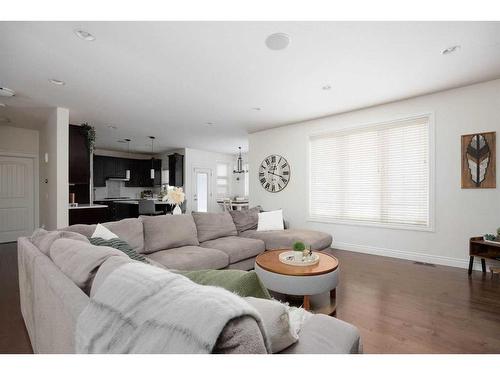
484 250
296 280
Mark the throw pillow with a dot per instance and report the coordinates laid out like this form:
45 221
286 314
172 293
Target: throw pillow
119 244
102 232
242 283
79 260
43 240
246 219
276 321
213 225
271 220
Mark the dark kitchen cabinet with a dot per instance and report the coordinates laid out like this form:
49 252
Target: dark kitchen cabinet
88 215
99 177
176 170
106 167
79 157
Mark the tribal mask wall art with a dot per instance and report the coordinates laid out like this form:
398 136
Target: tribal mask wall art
478 161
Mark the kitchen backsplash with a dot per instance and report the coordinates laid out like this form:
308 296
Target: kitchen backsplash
118 189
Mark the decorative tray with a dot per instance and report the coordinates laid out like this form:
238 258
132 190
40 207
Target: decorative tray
287 257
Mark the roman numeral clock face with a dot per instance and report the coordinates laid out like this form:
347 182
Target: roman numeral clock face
274 173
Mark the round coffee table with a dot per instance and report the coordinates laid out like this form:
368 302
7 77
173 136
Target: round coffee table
298 280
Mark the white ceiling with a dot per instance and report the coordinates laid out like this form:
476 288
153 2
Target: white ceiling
168 79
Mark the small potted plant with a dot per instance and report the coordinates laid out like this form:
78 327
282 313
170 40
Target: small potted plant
298 251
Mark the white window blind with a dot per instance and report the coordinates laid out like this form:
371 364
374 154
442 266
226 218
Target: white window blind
222 180
378 174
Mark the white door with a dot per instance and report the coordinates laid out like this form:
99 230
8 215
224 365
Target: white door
17 200
202 192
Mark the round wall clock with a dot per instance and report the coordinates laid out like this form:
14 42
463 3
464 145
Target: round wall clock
274 173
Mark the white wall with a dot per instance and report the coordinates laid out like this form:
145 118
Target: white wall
205 159
459 213
54 188
19 140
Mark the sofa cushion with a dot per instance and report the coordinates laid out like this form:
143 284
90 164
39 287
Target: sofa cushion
129 230
214 225
43 240
80 260
322 334
246 219
191 258
277 239
168 231
237 248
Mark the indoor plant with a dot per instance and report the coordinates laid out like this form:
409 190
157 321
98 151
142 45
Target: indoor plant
298 251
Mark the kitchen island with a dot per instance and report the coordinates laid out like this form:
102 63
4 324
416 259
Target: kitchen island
129 208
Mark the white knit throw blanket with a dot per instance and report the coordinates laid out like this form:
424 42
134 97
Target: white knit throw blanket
144 309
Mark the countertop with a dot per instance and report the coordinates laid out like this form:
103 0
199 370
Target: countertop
137 202
86 205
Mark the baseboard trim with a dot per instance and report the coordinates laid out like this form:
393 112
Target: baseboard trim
408 255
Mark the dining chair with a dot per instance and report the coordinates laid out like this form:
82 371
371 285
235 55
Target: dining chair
227 204
147 207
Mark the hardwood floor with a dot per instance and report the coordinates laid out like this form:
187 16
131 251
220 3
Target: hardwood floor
398 306
402 307
13 335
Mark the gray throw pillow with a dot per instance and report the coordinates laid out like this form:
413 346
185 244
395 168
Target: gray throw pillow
246 219
214 225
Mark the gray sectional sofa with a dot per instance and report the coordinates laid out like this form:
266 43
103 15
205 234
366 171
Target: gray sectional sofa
51 301
203 240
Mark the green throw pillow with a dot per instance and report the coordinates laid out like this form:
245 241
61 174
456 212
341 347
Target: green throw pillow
242 283
119 244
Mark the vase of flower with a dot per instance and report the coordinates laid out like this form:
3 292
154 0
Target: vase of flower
175 196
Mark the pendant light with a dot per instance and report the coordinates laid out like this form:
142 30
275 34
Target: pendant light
127 172
152 172
239 164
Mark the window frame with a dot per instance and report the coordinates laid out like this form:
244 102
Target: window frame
327 130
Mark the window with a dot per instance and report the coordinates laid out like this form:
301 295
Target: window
375 175
222 180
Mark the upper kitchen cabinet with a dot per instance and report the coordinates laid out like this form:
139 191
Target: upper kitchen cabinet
176 170
79 156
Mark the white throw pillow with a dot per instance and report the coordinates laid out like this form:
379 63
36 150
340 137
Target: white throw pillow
272 220
103 232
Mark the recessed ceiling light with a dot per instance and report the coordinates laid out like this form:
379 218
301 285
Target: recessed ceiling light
450 50
85 35
326 87
277 41
112 127
4 119
4 91
57 82
209 123
256 108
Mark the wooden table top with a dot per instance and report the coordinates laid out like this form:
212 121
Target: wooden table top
270 262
